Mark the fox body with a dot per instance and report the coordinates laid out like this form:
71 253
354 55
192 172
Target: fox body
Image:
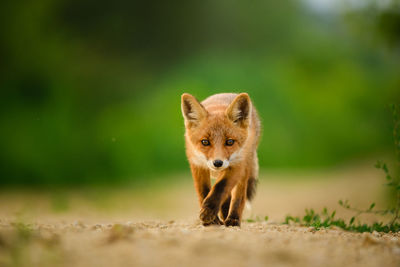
222 135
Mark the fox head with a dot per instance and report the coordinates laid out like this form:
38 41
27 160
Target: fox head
215 138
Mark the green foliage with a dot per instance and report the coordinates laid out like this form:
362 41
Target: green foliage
324 219
257 219
95 96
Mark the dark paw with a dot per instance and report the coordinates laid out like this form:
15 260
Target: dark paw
209 216
232 222
217 221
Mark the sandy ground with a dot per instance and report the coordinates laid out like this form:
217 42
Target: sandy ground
159 226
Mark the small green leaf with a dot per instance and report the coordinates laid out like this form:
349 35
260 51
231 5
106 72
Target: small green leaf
333 214
266 218
352 220
372 206
385 168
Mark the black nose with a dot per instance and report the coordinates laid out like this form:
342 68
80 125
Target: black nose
218 163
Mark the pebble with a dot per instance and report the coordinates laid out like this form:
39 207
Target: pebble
369 239
79 224
375 233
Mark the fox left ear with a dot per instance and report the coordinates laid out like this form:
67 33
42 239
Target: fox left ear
239 110
192 110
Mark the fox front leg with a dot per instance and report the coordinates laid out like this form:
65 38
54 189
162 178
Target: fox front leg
237 204
212 203
224 211
202 184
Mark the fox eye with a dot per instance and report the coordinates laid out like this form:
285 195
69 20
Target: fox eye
205 142
229 142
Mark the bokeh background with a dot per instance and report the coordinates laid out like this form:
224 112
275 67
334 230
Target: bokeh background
90 90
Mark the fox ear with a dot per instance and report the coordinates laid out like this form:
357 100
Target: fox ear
239 110
192 110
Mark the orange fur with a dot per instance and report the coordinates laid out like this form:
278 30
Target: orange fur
219 118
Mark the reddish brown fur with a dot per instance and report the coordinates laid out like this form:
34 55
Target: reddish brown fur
217 119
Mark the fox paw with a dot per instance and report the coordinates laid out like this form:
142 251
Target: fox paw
209 216
232 222
217 221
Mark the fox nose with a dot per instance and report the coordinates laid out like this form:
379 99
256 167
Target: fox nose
218 163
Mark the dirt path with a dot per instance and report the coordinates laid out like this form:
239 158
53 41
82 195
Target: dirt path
190 244
159 227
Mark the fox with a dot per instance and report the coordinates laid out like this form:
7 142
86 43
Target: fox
221 138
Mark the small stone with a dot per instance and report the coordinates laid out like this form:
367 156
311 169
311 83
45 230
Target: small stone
79 224
96 226
119 232
375 233
369 239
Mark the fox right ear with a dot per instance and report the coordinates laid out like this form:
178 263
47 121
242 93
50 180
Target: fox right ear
239 110
192 110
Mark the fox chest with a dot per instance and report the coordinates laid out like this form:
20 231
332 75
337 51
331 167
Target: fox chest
214 174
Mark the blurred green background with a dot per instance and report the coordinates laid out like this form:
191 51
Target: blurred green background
90 90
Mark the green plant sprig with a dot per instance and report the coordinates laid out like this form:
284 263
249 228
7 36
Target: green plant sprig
327 220
257 219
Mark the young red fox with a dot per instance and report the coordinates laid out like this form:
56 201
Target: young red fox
222 135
